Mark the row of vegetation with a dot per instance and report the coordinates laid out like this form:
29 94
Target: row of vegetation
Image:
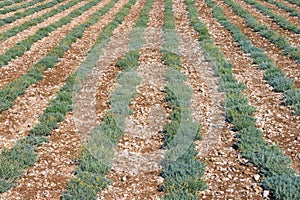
97 155
274 165
14 161
296 2
276 18
8 3
18 87
292 11
280 41
32 22
98 152
182 171
274 76
21 47
27 12
17 7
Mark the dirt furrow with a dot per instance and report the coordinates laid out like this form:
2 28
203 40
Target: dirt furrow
288 65
21 10
206 101
15 121
136 171
292 19
290 4
292 37
223 163
48 178
10 42
21 65
277 121
16 4
24 19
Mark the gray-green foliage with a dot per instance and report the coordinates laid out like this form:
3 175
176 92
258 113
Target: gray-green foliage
265 31
285 187
8 3
21 47
18 86
273 164
12 165
97 156
181 170
296 2
17 7
276 18
275 77
292 11
32 22
29 11
14 161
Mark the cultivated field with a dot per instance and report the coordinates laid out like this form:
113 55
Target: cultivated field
149 99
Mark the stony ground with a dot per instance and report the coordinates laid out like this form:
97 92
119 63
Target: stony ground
137 168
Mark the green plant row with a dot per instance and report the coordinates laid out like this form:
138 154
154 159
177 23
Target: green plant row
275 77
106 137
280 41
18 87
32 22
14 161
274 165
8 3
276 18
27 12
14 8
182 171
296 2
292 11
21 47
96 157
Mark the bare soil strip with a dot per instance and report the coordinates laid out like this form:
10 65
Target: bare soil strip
223 163
10 42
290 4
17 121
136 171
277 121
292 37
24 19
48 178
293 19
21 65
207 101
21 10
16 4
288 65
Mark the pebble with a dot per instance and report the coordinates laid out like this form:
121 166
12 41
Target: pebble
256 177
266 193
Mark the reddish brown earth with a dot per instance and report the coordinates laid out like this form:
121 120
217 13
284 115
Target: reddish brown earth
290 5
223 163
11 41
36 98
21 10
292 19
136 171
24 63
278 123
27 18
291 36
287 64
